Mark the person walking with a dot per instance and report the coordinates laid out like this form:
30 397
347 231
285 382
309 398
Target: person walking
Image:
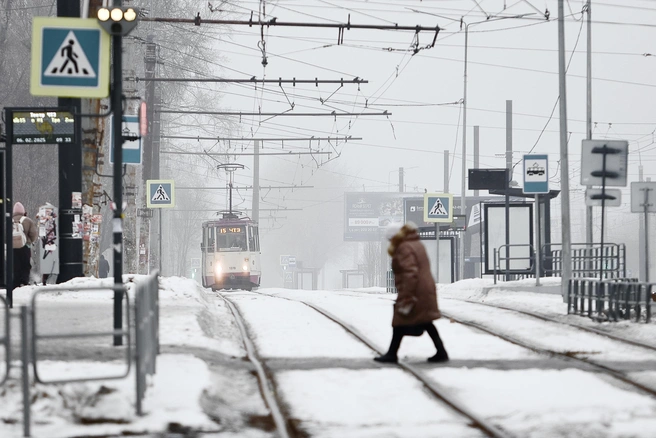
24 234
416 303
103 267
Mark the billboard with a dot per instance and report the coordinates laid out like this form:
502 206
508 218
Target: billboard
368 213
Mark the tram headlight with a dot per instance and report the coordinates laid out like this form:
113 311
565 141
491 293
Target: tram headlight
245 267
218 270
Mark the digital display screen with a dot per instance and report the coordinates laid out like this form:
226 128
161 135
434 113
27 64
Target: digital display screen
43 127
230 230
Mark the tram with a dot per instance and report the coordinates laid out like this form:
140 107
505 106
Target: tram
231 253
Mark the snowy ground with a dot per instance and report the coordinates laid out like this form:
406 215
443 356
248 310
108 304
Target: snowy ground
327 379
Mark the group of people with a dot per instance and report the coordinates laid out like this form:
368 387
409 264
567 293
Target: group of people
22 251
416 306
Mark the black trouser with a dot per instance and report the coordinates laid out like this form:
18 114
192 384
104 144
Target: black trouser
414 330
22 265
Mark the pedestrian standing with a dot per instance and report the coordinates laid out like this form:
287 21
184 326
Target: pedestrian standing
24 234
416 303
103 267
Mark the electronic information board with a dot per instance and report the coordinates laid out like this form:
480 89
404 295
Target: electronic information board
43 126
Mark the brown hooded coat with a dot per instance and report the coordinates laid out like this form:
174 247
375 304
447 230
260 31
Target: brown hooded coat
413 279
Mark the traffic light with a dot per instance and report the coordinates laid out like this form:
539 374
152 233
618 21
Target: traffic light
118 20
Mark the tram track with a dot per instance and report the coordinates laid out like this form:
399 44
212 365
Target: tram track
566 356
567 323
265 379
475 421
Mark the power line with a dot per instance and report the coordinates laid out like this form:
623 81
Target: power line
254 80
240 114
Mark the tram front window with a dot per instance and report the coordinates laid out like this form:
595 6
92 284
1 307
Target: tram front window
232 242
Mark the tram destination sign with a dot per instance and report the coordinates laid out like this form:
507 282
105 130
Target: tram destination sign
42 126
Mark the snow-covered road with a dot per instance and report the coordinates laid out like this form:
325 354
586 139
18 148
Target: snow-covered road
327 379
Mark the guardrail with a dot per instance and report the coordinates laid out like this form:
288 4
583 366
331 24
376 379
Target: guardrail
146 333
610 300
530 271
146 336
36 336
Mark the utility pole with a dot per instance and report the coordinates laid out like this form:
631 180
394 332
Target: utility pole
256 182
589 236
401 179
446 171
642 254
564 160
93 140
509 158
476 152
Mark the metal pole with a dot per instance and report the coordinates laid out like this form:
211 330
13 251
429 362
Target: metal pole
437 252
589 230
646 236
117 111
8 208
463 188
603 213
256 181
25 368
564 160
508 178
476 152
400 179
538 255
160 241
642 253
446 171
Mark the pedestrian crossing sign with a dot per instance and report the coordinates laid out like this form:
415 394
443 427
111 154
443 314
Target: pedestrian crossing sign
438 207
160 193
70 58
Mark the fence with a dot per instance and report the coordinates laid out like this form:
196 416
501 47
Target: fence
586 260
146 334
610 300
390 286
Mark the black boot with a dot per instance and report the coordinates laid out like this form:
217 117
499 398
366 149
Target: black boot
440 356
387 358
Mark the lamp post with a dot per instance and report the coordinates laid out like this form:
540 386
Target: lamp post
463 187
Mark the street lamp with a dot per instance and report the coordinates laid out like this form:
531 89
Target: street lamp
117 20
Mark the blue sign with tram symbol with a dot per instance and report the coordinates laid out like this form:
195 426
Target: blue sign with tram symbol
536 174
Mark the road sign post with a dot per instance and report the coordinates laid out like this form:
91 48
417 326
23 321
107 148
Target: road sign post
438 207
536 181
604 163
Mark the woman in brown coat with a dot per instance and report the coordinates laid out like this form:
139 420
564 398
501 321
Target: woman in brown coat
416 304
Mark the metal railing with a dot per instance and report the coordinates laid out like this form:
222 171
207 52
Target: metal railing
5 340
586 260
528 272
390 286
146 333
36 336
610 300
